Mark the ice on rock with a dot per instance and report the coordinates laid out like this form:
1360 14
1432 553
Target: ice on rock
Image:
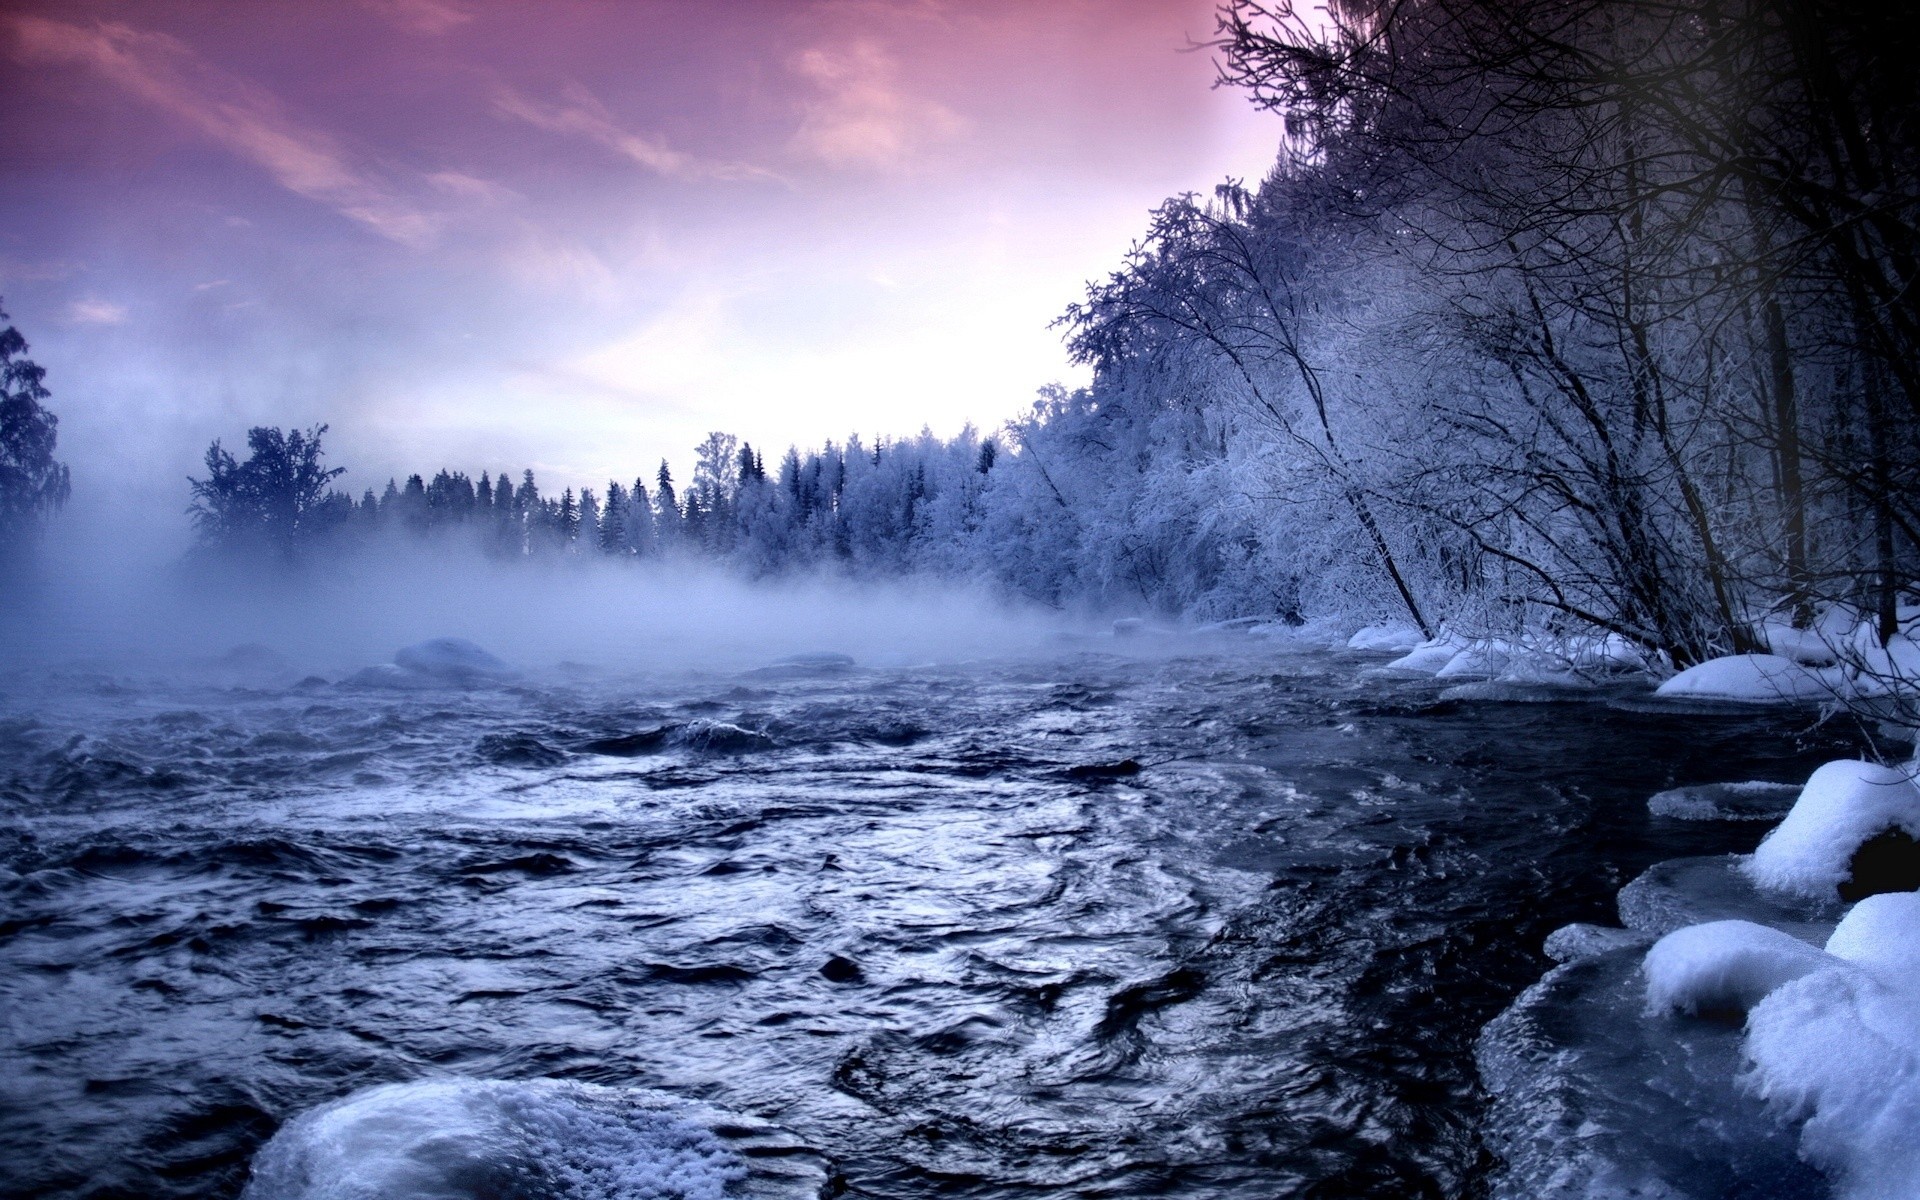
1579 940
1750 801
1397 637
1680 892
1841 1048
476 1139
1751 679
1590 1101
1843 807
1724 966
451 658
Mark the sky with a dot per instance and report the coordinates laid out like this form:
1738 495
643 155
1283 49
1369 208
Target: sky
574 235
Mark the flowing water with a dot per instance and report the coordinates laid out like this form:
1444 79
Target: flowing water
932 921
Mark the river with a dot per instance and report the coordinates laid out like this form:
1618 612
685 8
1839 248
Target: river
1220 920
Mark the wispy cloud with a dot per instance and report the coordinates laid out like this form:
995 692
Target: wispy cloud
861 115
430 17
97 312
165 73
580 114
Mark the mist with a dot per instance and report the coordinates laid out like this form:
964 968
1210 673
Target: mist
144 608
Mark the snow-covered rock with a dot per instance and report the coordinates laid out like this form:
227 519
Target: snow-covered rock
1841 1048
465 1139
451 658
1724 966
1428 657
459 1138
1751 678
1842 806
1809 647
1396 636
1480 660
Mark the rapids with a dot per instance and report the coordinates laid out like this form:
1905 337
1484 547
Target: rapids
1220 922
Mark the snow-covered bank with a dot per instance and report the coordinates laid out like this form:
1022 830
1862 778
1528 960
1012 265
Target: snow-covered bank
1743 1027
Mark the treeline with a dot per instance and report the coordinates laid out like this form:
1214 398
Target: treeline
1552 315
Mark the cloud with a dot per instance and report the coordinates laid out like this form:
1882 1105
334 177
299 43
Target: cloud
97 312
860 116
429 17
166 74
580 114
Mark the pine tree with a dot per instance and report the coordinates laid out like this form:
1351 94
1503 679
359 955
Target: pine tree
32 484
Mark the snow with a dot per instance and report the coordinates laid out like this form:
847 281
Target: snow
1842 806
451 658
1724 965
1396 636
1428 657
1809 647
1751 678
1841 1048
464 1139
1481 660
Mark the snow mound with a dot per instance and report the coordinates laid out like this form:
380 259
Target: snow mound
451 658
1725 802
1398 637
1809 647
1843 806
468 1139
1481 660
1428 657
1724 966
1841 1048
1750 678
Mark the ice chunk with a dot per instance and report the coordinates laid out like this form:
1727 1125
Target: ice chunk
452 658
1724 966
1396 636
1725 802
1844 806
468 1139
1751 678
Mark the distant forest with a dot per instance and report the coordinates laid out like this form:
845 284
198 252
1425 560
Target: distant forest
1549 316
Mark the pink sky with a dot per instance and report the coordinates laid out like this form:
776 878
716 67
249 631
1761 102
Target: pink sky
576 234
